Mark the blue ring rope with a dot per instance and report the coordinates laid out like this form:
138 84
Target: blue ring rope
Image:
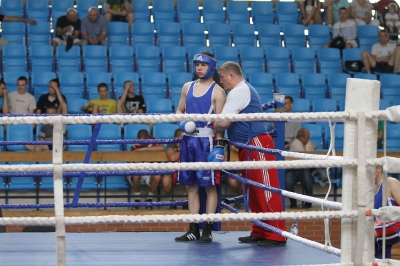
91 173
87 142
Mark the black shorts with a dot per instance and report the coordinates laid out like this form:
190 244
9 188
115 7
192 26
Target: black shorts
119 18
383 67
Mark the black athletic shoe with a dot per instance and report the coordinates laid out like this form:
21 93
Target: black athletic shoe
206 236
307 205
192 234
250 239
136 207
271 243
149 207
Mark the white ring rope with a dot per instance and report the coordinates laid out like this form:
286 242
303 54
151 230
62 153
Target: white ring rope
323 202
308 156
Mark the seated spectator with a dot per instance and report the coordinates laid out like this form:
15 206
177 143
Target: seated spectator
302 143
129 102
94 28
384 56
52 99
379 143
311 12
3 96
172 150
151 181
102 105
119 10
392 18
361 11
20 101
332 8
45 134
5 18
68 29
344 31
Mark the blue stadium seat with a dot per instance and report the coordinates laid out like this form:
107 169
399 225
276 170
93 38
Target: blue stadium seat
288 84
211 18
237 12
213 11
318 36
393 137
314 86
148 65
40 82
59 8
193 33
41 58
14 57
367 35
18 133
163 11
10 78
95 58
293 35
109 132
263 83
118 33
173 59
13 8
72 85
164 130
286 13
366 76
351 54
339 136
142 33
119 80
154 85
301 105
252 59
93 79
262 12
141 10
329 60
188 12
39 34
337 85
303 60
38 9
224 54
21 183
219 34
121 58
390 86
131 131
315 134
269 35
117 183
168 33
159 105
82 6
75 105
278 60
384 103
243 35
147 52
68 61
324 105
175 84
78 132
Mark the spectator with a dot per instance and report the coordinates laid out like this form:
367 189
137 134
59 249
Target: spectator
68 29
361 11
45 134
20 101
4 97
392 18
384 56
172 151
119 10
332 8
102 105
302 143
129 102
311 12
52 99
4 18
94 28
346 29
379 143
291 128
151 181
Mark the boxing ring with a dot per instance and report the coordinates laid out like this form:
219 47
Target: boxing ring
359 160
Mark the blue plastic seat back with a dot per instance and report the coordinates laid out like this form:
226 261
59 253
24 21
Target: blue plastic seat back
109 132
78 132
164 130
19 132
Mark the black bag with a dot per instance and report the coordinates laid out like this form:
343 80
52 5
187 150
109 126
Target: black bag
338 43
354 65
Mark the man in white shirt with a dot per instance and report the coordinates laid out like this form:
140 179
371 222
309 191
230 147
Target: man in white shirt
384 57
345 28
302 143
20 101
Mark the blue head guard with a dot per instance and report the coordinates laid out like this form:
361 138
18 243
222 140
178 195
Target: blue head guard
212 63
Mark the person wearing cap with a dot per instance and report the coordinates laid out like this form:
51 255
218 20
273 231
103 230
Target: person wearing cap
68 29
202 96
244 99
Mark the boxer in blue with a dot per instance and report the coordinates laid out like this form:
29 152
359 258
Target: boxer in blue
202 96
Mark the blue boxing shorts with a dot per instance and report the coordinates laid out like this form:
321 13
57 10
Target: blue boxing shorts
196 149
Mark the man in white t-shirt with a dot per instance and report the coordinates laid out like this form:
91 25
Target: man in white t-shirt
384 56
345 28
302 143
20 101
